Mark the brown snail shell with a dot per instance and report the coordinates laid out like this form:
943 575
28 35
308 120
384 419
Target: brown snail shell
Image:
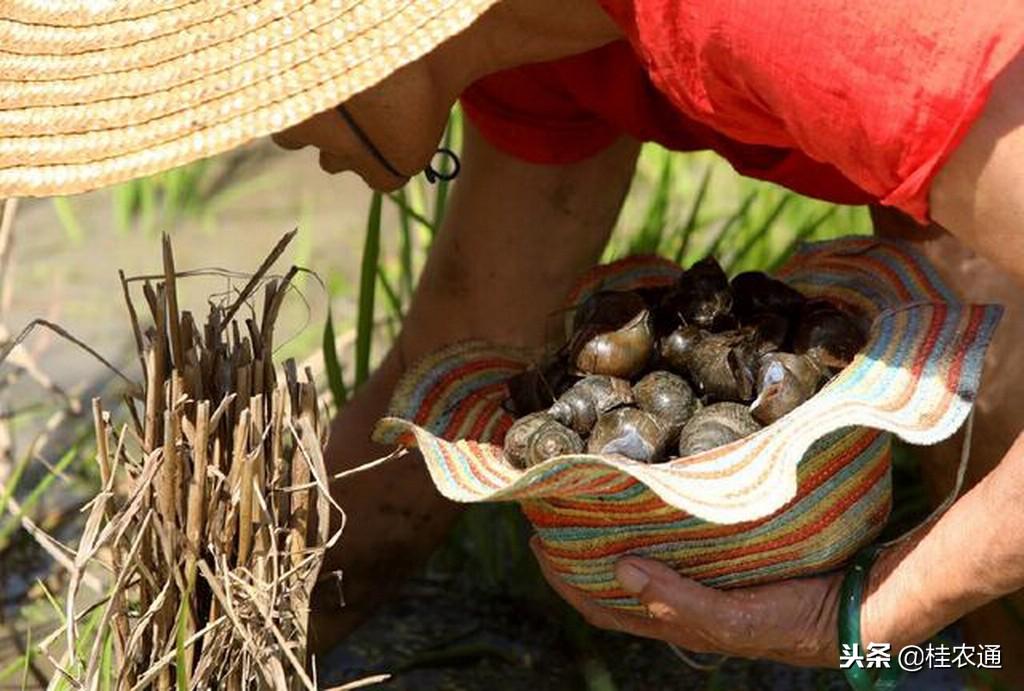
828 335
629 432
588 399
784 381
755 292
722 366
536 438
702 297
667 397
714 426
617 341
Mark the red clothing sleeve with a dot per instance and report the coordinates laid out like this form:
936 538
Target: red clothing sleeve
529 112
882 90
564 111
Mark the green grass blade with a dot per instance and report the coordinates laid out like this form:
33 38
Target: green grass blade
12 482
406 208
147 208
53 602
68 219
738 215
11 523
802 234
107 664
751 240
125 202
394 301
405 247
181 671
27 658
14 666
367 291
173 183
649 239
686 232
332 366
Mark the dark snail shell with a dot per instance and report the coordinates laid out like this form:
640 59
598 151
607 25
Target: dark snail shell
667 397
755 292
701 297
714 426
588 399
769 331
536 388
828 335
610 309
784 381
536 438
629 432
616 337
721 365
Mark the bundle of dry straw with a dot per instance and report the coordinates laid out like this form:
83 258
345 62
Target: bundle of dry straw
216 544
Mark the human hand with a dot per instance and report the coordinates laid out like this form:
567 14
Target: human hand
793 621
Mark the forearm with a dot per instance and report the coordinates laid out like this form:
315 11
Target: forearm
971 555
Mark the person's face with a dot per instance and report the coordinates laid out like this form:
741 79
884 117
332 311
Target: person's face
404 116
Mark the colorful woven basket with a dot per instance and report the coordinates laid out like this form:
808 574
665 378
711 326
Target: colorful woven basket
798 497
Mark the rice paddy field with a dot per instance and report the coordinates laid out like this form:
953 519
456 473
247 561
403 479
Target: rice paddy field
478 616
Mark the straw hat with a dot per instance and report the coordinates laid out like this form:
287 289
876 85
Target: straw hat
94 92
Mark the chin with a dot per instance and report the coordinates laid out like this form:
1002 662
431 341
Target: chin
385 183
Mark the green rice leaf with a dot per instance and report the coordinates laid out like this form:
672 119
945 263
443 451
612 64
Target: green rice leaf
405 247
394 301
802 234
406 208
730 222
332 366
686 232
757 235
182 676
68 219
652 231
367 291
11 523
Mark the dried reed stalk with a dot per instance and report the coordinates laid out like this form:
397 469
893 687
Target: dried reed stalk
214 546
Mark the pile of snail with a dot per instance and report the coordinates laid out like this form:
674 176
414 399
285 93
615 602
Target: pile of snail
662 373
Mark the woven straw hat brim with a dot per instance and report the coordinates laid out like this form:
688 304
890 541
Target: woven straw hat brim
95 92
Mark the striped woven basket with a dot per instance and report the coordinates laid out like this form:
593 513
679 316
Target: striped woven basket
798 497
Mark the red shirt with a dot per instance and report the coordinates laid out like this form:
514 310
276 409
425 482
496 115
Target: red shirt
851 101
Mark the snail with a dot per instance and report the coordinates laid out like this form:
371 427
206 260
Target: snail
714 426
536 438
667 397
721 365
614 335
629 432
770 331
755 292
828 335
608 308
784 381
537 387
701 297
588 399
